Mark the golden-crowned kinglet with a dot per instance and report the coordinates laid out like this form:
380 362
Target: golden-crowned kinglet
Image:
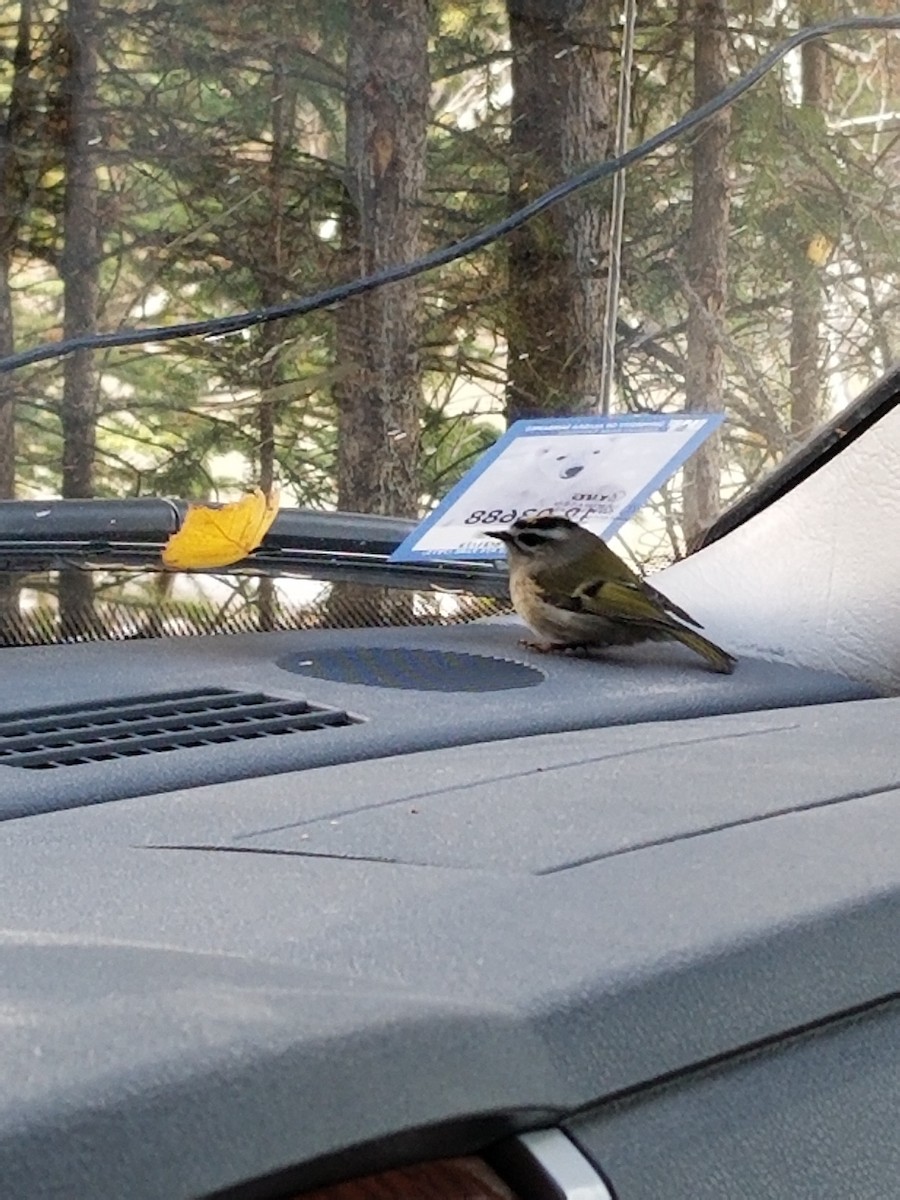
572 590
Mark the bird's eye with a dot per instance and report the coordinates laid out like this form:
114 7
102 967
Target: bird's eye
529 539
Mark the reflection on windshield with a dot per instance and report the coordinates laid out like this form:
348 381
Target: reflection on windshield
169 163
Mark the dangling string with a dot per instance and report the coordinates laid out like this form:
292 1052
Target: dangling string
617 212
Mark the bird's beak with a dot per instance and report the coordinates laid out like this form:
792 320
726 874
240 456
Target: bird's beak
502 535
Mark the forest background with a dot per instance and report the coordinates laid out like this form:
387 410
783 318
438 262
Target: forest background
172 161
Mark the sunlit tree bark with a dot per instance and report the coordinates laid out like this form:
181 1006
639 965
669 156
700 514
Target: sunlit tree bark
380 398
79 268
806 290
559 124
707 264
12 214
11 217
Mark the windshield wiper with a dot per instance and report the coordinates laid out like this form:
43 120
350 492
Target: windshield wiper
50 535
850 423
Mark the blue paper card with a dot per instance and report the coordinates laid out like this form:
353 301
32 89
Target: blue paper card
597 471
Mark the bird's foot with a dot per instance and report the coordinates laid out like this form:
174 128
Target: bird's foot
554 647
542 647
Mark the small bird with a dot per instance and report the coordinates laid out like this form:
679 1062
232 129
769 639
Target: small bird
571 589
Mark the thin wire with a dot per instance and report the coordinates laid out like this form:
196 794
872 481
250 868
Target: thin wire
219 326
617 218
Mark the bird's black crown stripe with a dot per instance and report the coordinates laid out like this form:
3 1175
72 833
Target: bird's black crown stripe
547 523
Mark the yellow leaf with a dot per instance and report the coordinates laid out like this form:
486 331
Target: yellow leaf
52 177
819 249
217 537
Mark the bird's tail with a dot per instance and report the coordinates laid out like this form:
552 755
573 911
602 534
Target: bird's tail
719 659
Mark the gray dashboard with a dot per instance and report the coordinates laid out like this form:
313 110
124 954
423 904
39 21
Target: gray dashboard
397 690
468 911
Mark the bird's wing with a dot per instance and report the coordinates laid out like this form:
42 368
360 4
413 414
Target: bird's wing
562 587
669 606
620 602
623 591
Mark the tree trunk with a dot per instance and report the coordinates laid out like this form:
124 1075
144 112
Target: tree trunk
13 191
9 588
806 292
8 388
80 275
272 269
271 334
707 265
560 123
380 400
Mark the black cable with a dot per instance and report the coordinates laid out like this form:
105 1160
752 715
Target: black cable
218 326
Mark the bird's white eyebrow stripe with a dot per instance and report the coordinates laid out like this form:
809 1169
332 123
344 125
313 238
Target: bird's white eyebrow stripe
547 534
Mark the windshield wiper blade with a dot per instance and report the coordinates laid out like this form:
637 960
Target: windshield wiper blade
850 423
103 534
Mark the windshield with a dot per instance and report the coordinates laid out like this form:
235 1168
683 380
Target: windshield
164 164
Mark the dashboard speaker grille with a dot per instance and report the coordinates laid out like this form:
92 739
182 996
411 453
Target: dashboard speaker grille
415 669
41 739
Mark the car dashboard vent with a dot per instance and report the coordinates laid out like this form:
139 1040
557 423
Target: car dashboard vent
41 739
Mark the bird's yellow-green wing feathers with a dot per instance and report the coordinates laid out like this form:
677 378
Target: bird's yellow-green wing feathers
665 603
619 601
565 586
630 604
